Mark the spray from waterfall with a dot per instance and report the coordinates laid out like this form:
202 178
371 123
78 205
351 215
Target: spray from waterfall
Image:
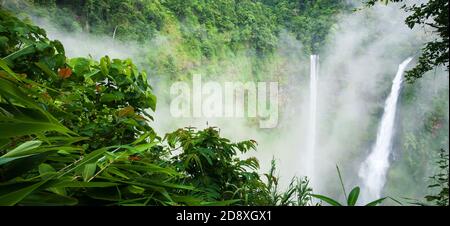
374 169
314 71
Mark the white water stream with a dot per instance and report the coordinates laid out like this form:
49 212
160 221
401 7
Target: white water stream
374 169
314 72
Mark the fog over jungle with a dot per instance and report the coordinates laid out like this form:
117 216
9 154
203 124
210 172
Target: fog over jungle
356 68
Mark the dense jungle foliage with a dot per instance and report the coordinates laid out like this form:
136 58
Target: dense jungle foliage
203 24
75 131
199 32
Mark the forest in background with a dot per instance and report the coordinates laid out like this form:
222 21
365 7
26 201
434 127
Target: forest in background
203 33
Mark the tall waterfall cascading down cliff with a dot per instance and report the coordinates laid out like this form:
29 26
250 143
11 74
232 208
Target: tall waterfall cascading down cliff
314 71
374 169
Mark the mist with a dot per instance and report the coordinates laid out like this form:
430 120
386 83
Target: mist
356 71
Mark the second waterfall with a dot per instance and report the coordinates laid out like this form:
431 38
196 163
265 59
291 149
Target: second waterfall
374 169
312 123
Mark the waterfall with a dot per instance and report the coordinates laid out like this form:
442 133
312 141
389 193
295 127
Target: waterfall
314 71
114 33
374 169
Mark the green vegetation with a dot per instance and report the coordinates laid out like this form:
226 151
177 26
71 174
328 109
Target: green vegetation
201 35
440 181
351 199
204 25
75 131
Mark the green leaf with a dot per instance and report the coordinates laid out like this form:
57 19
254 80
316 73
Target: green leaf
19 121
327 200
46 170
15 197
147 168
81 184
376 202
341 181
89 158
4 66
104 65
21 165
6 160
142 147
27 148
116 172
353 196
136 189
153 100
47 70
90 74
20 128
79 65
89 171
164 184
110 97
21 52
11 90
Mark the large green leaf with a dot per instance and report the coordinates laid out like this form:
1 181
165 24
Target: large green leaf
104 65
20 165
17 128
6 160
18 121
11 90
353 196
15 197
46 171
4 66
327 200
27 148
21 52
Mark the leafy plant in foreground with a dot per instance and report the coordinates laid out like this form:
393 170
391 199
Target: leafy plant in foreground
351 199
297 193
209 163
76 132
43 162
